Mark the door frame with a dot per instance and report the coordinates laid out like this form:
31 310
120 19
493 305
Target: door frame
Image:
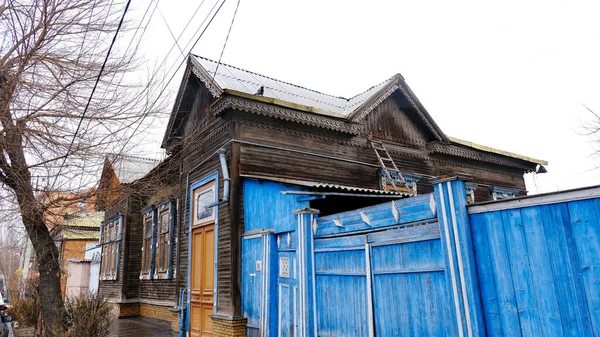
211 178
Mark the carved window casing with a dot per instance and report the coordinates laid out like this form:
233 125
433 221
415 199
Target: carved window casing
110 239
158 241
147 246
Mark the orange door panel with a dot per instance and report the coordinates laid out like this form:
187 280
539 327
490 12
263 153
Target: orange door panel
202 281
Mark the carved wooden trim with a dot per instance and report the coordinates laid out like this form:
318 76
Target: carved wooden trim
354 142
206 78
240 104
409 96
362 114
478 156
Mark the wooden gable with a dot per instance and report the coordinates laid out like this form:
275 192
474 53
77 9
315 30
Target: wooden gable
190 111
395 120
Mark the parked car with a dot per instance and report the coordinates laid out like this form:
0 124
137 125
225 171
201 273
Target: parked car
5 318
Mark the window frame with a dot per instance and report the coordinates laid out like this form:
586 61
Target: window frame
148 243
110 240
165 241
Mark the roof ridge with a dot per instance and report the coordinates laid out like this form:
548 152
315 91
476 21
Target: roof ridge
116 155
274 79
376 85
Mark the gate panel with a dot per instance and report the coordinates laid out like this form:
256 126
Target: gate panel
252 281
409 288
341 287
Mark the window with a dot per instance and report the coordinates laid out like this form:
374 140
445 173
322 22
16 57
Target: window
164 242
203 197
158 241
110 240
147 248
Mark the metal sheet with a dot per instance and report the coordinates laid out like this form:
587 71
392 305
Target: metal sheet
233 78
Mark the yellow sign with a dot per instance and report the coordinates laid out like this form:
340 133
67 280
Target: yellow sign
19 271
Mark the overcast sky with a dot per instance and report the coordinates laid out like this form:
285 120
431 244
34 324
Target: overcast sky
514 75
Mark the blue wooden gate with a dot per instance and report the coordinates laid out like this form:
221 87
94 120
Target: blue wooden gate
383 271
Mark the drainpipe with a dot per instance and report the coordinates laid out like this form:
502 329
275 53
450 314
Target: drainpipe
225 199
226 179
186 294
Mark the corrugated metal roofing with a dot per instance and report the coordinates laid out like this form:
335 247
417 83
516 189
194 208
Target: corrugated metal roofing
234 78
129 168
329 186
89 220
80 234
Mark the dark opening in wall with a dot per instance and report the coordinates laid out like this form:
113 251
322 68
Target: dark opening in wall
333 204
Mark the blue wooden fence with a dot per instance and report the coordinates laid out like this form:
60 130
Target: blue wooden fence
538 262
423 266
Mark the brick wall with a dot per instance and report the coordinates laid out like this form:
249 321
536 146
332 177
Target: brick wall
129 309
160 312
226 327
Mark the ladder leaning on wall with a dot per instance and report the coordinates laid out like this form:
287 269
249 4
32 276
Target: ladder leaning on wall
383 156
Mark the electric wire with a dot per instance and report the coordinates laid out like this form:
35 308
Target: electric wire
93 90
169 81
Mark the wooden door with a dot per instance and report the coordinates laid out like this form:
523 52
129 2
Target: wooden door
202 280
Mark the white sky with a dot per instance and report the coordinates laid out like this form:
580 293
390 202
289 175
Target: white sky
512 75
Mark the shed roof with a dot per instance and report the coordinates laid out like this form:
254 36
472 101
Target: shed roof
91 220
317 185
80 234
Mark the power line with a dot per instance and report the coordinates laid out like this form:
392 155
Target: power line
170 79
93 90
226 39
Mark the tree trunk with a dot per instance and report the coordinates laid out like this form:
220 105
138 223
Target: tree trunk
47 256
17 176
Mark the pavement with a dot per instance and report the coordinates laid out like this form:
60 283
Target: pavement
141 327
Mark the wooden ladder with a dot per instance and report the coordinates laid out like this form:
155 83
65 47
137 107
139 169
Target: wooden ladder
383 156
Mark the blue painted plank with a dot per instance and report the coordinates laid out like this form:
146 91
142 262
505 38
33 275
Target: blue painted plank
463 226
541 274
343 261
586 230
521 273
252 250
382 215
265 207
483 260
414 255
342 306
417 304
565 267
416 233
355 241
503 279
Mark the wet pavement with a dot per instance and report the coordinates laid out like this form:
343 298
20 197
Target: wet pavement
141 327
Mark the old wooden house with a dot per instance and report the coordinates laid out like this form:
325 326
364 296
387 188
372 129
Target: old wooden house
256 165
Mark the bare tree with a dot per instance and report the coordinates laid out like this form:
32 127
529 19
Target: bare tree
51 54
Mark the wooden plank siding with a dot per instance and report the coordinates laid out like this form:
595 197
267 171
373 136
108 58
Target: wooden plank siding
538 269
194 155
257 160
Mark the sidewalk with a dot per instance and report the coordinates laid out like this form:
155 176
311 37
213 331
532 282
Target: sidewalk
141 326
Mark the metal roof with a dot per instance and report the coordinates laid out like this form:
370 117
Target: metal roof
328 186
80 234
88 220
234 78
130 168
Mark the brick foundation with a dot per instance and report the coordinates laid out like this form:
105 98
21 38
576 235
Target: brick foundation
228 327
160 312
125 309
